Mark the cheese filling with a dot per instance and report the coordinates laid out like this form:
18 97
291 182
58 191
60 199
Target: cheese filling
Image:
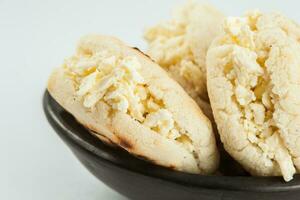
117 82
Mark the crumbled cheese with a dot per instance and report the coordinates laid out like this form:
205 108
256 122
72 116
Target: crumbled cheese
161 119
233 25
244 96
258 113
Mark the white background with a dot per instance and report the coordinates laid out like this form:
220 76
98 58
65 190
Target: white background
35 36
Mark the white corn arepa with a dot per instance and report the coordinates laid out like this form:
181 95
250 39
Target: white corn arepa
253 77
180 44
126 99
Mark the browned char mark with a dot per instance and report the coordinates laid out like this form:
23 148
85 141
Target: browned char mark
125 143
142 157
143 53
172 167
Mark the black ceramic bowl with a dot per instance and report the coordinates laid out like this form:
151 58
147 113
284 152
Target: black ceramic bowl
140 180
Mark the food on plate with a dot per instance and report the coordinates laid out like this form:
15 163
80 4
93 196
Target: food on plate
180 44
253 78
124 98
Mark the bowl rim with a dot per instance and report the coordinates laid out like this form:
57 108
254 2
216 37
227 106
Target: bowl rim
84 140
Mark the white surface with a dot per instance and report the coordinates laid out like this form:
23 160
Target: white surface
35 36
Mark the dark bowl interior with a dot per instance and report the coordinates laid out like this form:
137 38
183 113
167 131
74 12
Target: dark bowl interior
138 179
